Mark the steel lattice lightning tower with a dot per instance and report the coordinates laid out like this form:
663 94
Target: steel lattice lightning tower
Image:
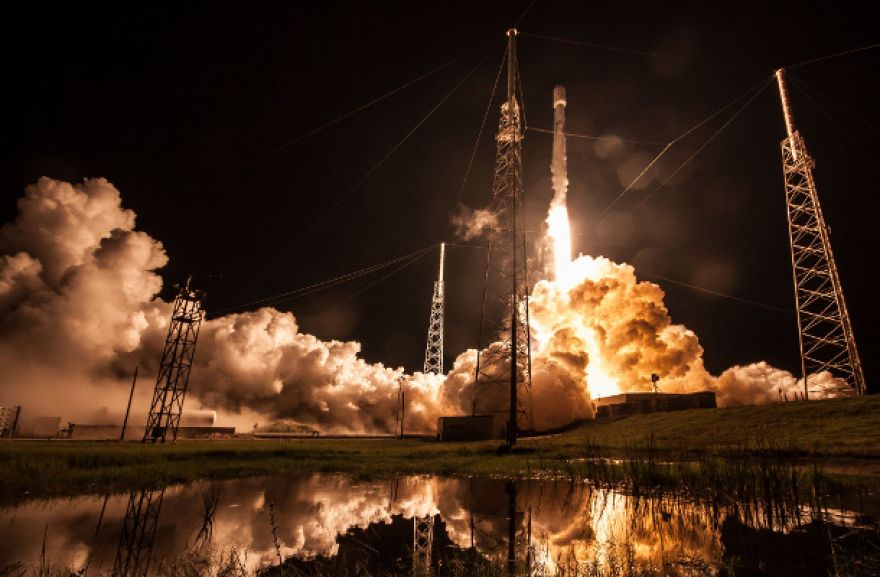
176 364
504 322
434 349
827 342
423 527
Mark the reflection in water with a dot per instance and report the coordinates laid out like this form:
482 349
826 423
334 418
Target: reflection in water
412 524
139 525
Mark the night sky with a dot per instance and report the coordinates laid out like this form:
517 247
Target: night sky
195 111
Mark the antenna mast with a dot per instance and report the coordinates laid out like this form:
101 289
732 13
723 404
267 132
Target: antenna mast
504 326
825 334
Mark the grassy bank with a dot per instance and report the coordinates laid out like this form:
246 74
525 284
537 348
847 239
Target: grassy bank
845 429
842 428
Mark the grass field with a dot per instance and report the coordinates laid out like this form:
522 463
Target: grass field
843 430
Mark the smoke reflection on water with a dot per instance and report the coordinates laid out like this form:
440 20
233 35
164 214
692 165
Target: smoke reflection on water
557 525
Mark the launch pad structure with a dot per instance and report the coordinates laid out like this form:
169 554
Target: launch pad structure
504 349
176 364
434 348
825 335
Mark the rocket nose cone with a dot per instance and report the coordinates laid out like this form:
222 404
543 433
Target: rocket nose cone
559 96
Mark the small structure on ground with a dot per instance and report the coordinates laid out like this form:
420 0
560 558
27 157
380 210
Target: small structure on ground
641 403
471 428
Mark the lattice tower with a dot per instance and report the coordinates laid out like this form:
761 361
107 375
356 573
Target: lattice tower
175 365
504 357
434 349
825 333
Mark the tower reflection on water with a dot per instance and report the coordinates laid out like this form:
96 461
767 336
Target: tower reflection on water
321 522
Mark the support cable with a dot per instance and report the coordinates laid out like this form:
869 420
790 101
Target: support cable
363 107
831 101
523 14
318 221
717 293
592 137
405 264
326 284
470 164
678 139
797 84
764 85
606 47
830 56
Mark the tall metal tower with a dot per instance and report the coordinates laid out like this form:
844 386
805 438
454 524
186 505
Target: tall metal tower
176 364
423 527
434 349
504 322
826 338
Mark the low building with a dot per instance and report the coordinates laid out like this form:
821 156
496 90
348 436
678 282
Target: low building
471 428
38 427
111 432
641 403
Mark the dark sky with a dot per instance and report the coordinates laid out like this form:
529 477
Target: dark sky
190 109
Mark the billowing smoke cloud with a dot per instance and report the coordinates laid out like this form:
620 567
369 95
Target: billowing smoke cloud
79 309
761 383
470 223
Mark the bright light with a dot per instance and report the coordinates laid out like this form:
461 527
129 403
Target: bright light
600 383
567 275
559 231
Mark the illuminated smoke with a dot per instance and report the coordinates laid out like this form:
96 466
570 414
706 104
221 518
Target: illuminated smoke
470 223
79 309
761 383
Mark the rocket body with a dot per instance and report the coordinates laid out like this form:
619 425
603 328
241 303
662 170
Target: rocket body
558 168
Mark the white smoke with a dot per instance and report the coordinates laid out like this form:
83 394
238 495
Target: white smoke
79 309
470 223
761 383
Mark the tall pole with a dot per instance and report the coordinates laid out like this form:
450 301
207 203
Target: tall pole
511 102
789 129
128 407
400 405
442 260
786 110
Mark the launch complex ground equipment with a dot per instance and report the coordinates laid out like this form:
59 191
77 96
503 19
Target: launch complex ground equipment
825 334
434 348
176 364
504 352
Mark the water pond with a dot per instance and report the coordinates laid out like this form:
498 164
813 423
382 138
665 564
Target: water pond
323 524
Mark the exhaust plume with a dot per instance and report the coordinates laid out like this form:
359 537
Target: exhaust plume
470 223
79 308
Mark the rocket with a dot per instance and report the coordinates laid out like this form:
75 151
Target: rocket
558 168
